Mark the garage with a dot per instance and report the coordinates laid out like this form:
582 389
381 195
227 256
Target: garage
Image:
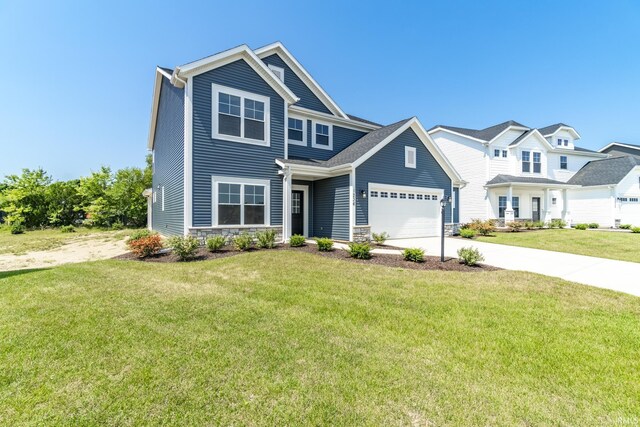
404 212
629 210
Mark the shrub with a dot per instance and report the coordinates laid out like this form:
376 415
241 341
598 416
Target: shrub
470 256
514 226
145 246
467 233
17 227
413 255
594 225
118 225
581 226
186 247
625 226
538 224
243 241
635 229
529 225
359 250
380 238
68 229
557 223
139 234
296 241
215 243
325 244
266 239
483 228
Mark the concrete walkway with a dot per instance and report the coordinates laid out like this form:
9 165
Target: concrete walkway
620 276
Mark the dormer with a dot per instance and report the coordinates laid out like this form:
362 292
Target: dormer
560 136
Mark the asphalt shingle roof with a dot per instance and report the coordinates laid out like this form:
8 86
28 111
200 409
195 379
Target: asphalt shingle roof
548 130
510 179
521 137
360 119
605 171
486 134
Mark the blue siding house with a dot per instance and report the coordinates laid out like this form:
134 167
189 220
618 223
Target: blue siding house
247 140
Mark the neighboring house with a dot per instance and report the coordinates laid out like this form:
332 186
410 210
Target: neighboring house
514 172
246 140
616 149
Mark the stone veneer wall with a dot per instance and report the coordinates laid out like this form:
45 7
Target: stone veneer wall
361 233
452 229
203 233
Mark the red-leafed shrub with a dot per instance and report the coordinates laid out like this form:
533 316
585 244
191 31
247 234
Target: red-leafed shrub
146 246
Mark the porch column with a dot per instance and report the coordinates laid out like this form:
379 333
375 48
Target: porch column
508 212
547 206
566 213
286 205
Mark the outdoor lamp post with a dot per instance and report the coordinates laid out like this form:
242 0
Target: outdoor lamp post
443 204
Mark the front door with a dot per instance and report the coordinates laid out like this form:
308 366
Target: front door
297 212
535 208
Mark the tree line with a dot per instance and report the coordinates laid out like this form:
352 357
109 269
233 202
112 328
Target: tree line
102 199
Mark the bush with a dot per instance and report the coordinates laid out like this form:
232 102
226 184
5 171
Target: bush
380 238
467 233
243 241
359 250
266 239
186 247
515 226
296 241
68 229
145 246
470 256
483 228
529 225
594 225
215 243
581 226
625 226
557 223
413 255
635 229
17 227
118 225
325 244
139 234
538 224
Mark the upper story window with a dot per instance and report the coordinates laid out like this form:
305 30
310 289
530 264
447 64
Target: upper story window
499 153
496 152
563 162
239 116
296 131
322 136
537 163
526 161
563 142
278 71
410 157
504 153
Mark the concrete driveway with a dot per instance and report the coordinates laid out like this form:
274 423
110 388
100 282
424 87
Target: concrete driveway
620 276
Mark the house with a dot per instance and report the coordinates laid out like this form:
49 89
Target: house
515 172
616 149
247 140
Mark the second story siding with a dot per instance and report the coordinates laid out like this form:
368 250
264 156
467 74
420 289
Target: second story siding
342 138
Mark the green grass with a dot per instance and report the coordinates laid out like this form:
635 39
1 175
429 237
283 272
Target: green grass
603 244
47 239
290 338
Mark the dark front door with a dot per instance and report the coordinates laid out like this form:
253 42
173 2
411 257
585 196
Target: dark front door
535 208
297 212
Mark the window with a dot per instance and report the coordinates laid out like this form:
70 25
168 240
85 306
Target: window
537 163
155 194
622 199
559 141
504 154
496 152
563 162
526 161
374 194
427 197
239 116
240 203
322 136
434 197
515 205
502 206
419 196
566 142
409 157
278 71
296 132
633 199
554 201
403 195
412 196
394 195
384 194
162 197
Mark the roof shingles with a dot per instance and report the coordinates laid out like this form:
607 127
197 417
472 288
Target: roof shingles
605 171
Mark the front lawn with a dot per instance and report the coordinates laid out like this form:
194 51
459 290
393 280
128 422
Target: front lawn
291 338
603 244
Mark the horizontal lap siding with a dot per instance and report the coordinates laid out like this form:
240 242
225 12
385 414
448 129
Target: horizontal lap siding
342 138
387 167
235 159
297 86
331 208
168 155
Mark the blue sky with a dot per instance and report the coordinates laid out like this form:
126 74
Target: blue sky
77 77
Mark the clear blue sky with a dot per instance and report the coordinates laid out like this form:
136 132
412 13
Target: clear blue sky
77 77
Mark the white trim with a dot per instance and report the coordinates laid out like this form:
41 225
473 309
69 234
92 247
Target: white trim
302 143
542 139
188 156
407 189
162 197
352 202
286 121
313 135
508 128
407 163
347 123
305 206
620 144
215 180
441 129
278 71
299 70
575 133
155 104
215 91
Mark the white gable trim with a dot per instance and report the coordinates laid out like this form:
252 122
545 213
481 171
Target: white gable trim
571 130
441 129
523 129
299 70
313 115
241 52
619 144
155 104
538 135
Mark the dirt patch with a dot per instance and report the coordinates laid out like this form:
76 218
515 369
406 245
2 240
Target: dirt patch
389 260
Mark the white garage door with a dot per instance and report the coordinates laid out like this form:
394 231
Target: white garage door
404 211
630 211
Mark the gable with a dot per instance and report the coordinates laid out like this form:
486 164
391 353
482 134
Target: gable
307 98
621 150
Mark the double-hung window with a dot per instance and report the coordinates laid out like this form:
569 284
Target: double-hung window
322 136
296 131
504 154
502 206
515 205
239 116
563 162
526 161
240 202
537 163
559 142
496 152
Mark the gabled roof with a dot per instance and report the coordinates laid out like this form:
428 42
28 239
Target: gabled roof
486 134
620 144
161 73
529 134
297 68
511 179
552 129
605 171
360 119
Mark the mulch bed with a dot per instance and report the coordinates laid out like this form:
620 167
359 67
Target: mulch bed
389 260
